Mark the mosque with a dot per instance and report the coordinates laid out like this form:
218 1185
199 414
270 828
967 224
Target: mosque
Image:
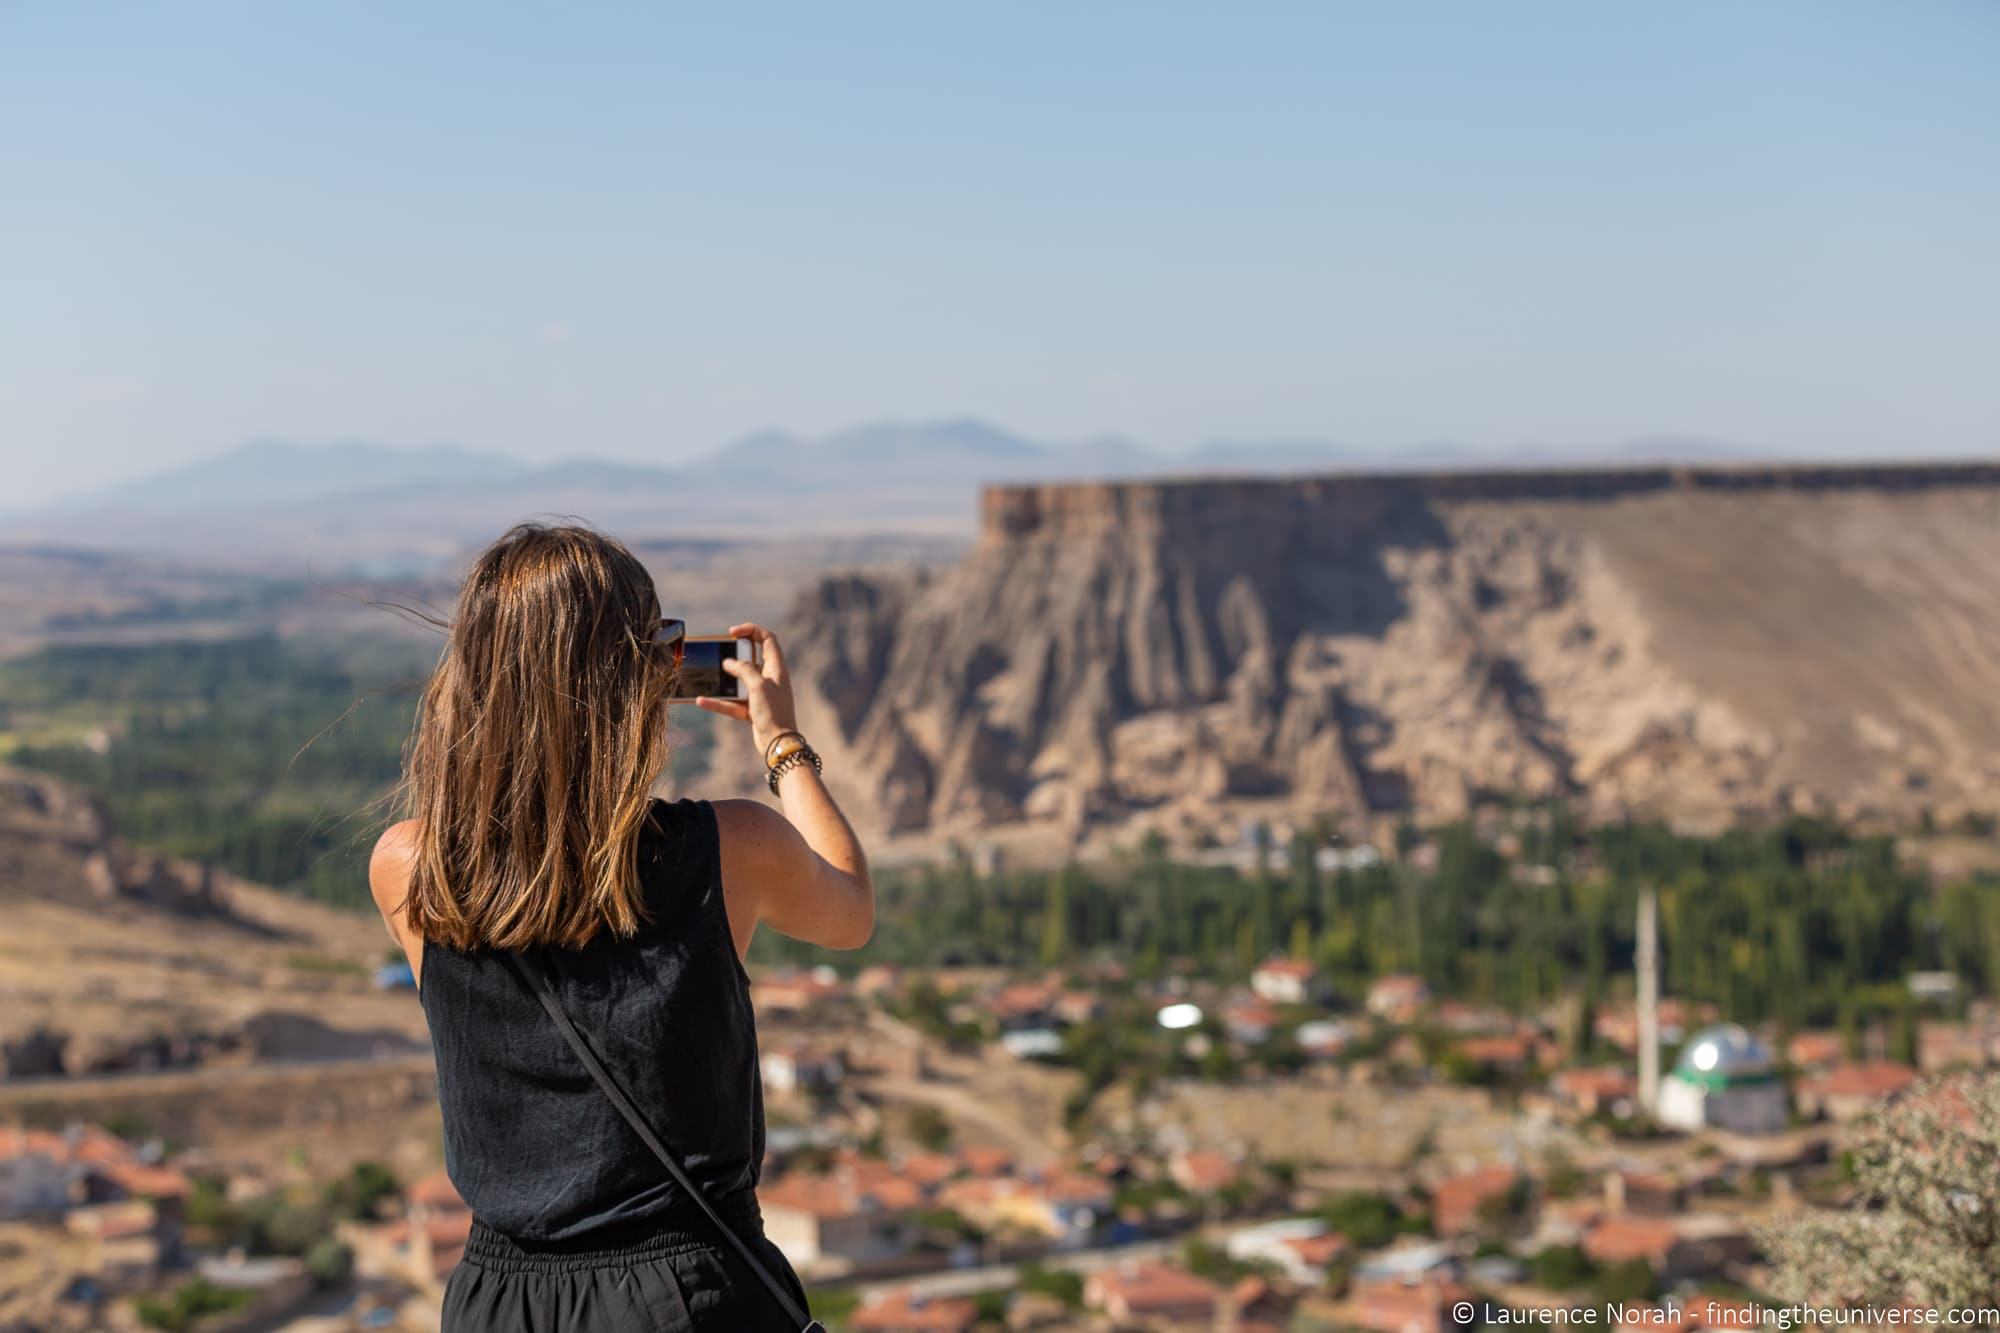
1725 1079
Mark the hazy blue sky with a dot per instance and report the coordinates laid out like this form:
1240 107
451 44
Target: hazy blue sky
635 231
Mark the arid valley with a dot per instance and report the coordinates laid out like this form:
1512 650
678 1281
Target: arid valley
1257 941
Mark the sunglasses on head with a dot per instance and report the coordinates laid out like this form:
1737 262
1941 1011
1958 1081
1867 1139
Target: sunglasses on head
672 635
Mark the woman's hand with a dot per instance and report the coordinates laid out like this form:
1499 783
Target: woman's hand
767 691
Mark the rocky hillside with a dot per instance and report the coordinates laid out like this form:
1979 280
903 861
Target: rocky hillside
1696 643
115 960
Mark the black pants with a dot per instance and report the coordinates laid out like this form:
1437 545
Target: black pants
670 1282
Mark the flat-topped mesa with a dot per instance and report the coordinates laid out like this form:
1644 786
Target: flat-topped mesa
1011 511
1694 643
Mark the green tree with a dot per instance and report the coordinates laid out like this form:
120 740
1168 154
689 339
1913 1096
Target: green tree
1055 921
1633 1280
355 1195
191 1302
1903 1036
1366 1220
1562 1268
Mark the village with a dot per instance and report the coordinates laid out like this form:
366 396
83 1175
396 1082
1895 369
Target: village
942 1157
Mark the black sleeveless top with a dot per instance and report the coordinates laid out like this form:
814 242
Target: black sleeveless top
530 1141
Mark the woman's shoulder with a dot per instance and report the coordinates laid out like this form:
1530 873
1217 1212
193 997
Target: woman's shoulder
757 842
389 869
389 865
748 839
742 818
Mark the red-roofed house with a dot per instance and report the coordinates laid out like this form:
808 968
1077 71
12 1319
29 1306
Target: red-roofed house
1249 1021
877 978
928 1169
1023 1004
904 1311
422 1246
440 1222
1509 1055
1150 1295
1619 1240
1680 1249
1286 981
1815 1050
1203 1172
136 1180
986 1161
438 1244
1065 1206
434 1191
1078 1006
1467 1203
852 1213
1593 1090
1315 1253
1851 1088
1391 1306
1942 1046
1398 997
795 991
44 1172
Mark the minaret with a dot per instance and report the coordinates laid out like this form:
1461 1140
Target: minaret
1649 1001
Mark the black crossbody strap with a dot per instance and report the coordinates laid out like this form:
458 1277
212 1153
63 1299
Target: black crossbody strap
538 981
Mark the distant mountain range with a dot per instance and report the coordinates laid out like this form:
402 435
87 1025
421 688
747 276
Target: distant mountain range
358 504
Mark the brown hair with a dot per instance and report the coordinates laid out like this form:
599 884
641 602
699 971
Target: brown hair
539 737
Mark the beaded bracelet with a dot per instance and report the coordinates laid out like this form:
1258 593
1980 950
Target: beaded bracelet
805 755
782 744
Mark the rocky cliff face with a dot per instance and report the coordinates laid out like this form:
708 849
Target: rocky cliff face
116 960
33 806
1691 643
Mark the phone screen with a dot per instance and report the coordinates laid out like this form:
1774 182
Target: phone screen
701 670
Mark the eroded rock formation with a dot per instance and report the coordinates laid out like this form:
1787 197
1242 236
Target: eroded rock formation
1694 643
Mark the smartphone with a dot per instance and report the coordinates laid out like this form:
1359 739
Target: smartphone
701 670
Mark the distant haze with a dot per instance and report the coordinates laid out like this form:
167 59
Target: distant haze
363 504
634 231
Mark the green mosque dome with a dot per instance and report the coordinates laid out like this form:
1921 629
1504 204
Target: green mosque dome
1722 1056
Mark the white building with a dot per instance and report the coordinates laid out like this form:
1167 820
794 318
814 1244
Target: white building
1324 1038
1032 1043
801 1068
1286 1246
1725 1079
1284 981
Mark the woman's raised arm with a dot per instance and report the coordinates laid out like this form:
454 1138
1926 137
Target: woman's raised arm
803 871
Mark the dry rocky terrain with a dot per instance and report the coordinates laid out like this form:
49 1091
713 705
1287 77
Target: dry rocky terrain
1695 644
117 961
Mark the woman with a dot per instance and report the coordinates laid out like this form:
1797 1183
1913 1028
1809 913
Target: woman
533 848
